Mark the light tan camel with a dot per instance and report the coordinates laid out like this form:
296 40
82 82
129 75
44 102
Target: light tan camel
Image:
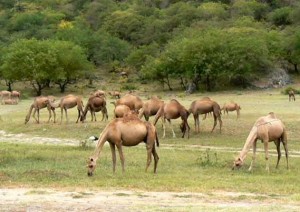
115 94
68 102
292 95
151 107
16 95
5 95
173 110
95 104
127 131
132 101
99 93
266 128
204 106
38 104
9 102
120 110
232 106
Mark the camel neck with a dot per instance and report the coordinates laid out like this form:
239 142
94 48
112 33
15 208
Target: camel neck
249 143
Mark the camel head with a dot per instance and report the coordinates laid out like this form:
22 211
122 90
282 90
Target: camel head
237 163
91 166
26 119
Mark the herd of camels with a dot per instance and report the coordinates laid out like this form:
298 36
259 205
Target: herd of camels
128 129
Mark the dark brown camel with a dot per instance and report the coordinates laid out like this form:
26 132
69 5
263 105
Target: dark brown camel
95 104
173 110
204 106
292 95
127 131
151 107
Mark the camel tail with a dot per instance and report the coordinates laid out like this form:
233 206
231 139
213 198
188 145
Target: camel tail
29 114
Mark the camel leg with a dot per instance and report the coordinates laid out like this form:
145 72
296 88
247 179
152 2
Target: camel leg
78 116
220 123
95 116
253 156
215 123
149 156
156 158
50 115
171 126
92 119
66 112
164 127
54 116
61 114
121 157
266 146
277 143
284 141
38 116
113 154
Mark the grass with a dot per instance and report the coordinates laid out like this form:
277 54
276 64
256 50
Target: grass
193 164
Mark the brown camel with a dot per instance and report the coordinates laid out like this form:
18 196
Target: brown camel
5 95
232 106
9 102
266 128
38 104
127 131
132 101
68 102
173 110
95 104
151 107
292 95
16 95
120 110
115 94
204 106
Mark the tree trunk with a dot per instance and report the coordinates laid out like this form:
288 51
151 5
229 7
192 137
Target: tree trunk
9 84
62 87
208 85
182 83
168 83
296 68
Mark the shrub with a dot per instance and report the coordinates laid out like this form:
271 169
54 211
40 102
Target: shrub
287 89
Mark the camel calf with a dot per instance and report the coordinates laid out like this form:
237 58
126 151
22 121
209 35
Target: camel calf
292 95
232 107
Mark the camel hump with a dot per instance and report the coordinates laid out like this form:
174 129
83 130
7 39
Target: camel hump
272 115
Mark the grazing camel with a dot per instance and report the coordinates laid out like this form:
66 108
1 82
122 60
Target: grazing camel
68 102
204 106
266 128
5 95
115 94
95 104
127 131
292 95
132 101
120 110
151 107
173 110
38 104
231 107
16 95
9 102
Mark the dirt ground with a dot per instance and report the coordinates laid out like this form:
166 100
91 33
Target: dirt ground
29 199
49 199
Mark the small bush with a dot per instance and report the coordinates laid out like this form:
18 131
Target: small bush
287 89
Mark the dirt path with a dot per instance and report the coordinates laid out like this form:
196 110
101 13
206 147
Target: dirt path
25 199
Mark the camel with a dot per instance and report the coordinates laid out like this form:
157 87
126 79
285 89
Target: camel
173 110
120 110
151 107
231 107
16 95
68 102
204 106
99 93
292 95
115 94
38 104
127 131
132 101
9 102
5 95
95 104
266 128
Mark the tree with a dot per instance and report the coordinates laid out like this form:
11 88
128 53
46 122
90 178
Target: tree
40 62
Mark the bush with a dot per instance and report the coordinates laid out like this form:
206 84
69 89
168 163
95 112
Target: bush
129 87
287 89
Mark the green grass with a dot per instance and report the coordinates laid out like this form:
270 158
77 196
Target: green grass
185 164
